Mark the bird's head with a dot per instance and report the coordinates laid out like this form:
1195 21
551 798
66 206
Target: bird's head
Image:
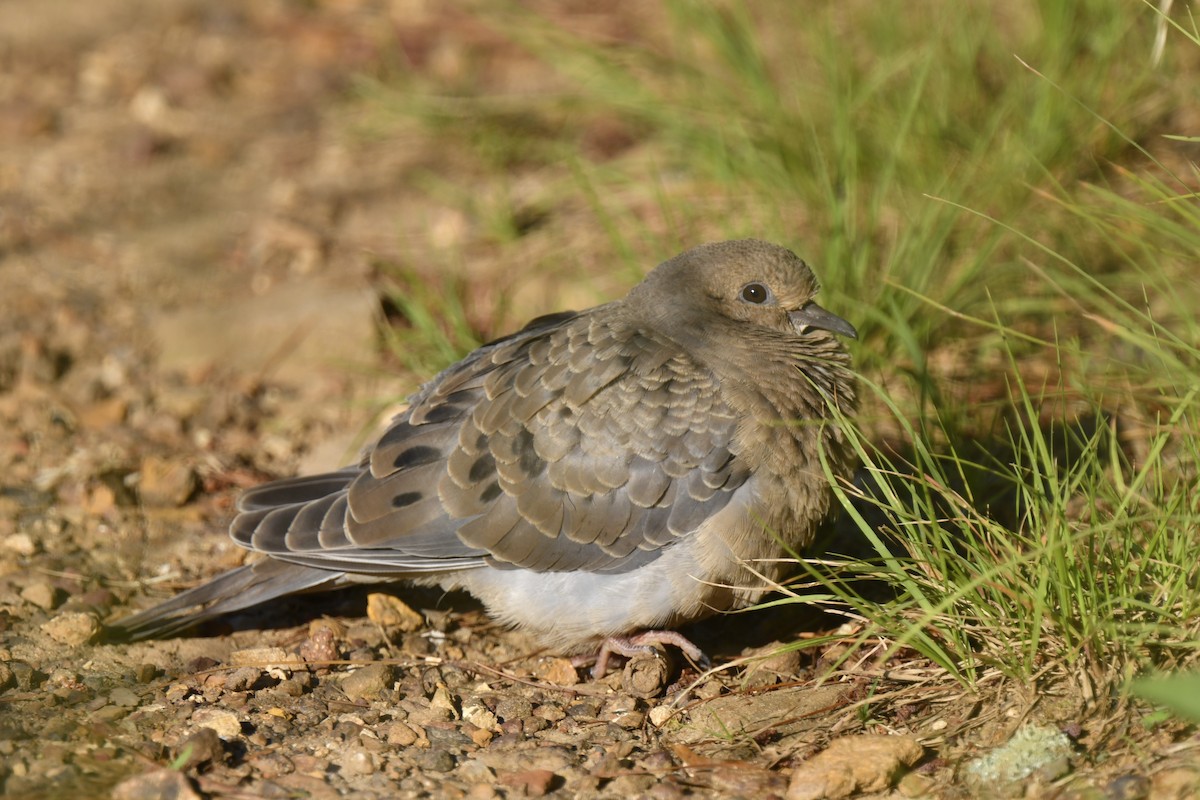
755 285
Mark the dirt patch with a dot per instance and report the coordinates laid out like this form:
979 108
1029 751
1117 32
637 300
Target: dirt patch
189 243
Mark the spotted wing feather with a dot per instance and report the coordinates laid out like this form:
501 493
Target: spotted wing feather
578 444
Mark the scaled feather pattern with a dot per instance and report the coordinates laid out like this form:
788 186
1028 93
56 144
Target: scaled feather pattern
631 467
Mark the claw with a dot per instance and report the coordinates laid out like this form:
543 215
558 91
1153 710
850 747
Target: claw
643 644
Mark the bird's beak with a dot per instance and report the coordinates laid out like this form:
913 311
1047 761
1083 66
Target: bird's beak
812 315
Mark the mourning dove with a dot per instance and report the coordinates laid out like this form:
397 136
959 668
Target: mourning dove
597 478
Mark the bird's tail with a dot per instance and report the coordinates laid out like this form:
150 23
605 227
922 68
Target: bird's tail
234 590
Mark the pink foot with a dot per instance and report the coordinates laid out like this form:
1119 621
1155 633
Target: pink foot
643 644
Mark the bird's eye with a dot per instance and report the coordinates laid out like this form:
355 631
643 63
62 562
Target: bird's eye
755 293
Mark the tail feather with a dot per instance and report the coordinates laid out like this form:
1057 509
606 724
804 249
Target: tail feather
289 491
234 590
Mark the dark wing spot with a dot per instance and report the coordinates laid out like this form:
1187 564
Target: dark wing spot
417 457
492 491
406 499
484 465
527 458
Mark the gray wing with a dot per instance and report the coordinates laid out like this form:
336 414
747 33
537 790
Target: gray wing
576 444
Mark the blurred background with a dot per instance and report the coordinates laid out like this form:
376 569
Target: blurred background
247 184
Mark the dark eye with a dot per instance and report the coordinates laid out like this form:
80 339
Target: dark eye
755 293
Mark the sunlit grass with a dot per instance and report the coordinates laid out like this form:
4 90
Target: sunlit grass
990 195
430 330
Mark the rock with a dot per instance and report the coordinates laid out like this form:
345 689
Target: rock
166 483
772 664
161 784
43 594
266 658
358 762
1176 784
1033 748
20 544
646 676
430 715
478 715
660 715
916 785
321 645
482 791
513 707
24 676
107 714
272 765
785 711
630 720
479 736
401 735
225 723
126 698
202 747
532 782
74 628
242 679
475 771
104 414
546 757
369 682
744 780
436 761
1128 787
442 699
392 614
559 671
853 764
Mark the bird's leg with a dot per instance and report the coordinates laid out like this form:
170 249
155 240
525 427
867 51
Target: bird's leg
643 644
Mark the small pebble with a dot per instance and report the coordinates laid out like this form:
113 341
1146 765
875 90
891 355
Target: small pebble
74 628
659 715
43 595
157 785
166 483
436 761
263 658
393 614
400 735
646 677
442 699
321 645
243 680
532 782
513 707
559 671
479 716
225 723
369 682
630 721
20 544
358 762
